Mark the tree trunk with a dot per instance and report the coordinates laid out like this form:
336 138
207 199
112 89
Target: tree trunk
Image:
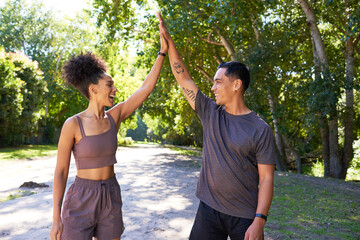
256 30
288 144
335 161
228 46
311 21
325 140
324 126
208 77
297 160
46 106
281 162
320 51
349 108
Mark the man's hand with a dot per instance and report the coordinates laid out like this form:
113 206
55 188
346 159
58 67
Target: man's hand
256 230
164 46
178 67
163 29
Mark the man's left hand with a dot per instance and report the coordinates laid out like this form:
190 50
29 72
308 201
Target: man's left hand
256 230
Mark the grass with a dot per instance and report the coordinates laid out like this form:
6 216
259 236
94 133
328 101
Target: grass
20 193
188 151
139 143
27 152
314 208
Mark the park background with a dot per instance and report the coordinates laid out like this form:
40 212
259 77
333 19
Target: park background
304 59
303 55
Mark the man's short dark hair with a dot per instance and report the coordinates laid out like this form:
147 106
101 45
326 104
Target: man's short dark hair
237 70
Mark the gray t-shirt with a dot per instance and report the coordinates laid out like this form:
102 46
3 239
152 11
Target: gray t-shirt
233 146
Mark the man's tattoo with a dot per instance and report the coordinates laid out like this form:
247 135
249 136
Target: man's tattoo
178 68
190 94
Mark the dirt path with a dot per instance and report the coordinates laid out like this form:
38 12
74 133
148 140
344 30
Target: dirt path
157 186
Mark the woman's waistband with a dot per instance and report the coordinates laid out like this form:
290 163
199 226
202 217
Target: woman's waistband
95 183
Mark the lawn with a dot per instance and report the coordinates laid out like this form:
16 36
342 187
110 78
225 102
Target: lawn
306 207
27 152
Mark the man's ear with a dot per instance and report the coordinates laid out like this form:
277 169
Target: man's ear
237 84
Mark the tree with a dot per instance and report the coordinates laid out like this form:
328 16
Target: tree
29 28
21 97
345 14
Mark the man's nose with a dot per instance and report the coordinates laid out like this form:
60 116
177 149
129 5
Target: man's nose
213 88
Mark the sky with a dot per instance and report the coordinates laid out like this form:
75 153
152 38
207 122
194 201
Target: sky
66 7
62 7
70 8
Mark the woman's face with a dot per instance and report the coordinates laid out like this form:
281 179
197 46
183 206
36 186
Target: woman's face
104 92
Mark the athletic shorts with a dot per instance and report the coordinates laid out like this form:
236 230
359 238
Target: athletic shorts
92 208
210 224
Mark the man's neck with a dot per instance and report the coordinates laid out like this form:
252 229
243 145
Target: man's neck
237 107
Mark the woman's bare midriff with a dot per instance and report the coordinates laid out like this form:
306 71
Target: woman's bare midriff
96 173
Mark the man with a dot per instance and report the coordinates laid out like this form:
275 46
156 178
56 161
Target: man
238 154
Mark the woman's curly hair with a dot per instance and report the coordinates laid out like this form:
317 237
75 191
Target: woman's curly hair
82 70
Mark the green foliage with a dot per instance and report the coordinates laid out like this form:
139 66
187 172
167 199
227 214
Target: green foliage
140 133
21 97
316 169
117 17
29 28
354 169
11 99
127 141
272 37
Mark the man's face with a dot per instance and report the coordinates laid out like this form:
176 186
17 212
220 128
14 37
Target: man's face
223 87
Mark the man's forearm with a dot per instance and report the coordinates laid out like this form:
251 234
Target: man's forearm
177 65
265 196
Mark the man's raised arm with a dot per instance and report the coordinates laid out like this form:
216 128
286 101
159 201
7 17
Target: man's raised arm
178 67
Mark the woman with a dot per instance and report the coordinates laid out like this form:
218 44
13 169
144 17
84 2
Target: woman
92 207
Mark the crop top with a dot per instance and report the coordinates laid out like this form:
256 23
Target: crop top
96 151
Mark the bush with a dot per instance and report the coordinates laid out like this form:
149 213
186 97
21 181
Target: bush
125 141
21 98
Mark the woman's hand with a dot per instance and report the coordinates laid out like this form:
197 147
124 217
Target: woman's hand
56 230
163 34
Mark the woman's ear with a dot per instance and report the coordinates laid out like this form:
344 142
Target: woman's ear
92 89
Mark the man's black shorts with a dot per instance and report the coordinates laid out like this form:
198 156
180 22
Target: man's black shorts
213 225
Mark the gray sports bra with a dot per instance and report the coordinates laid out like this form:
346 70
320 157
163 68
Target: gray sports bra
96 151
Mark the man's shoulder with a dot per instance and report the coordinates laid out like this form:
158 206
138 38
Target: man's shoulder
259 120
260 125
204 100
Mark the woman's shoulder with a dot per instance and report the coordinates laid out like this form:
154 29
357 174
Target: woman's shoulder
71 122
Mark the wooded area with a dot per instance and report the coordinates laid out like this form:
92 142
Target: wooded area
304 58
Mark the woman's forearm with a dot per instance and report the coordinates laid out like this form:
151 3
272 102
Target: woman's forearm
151 79
60 179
